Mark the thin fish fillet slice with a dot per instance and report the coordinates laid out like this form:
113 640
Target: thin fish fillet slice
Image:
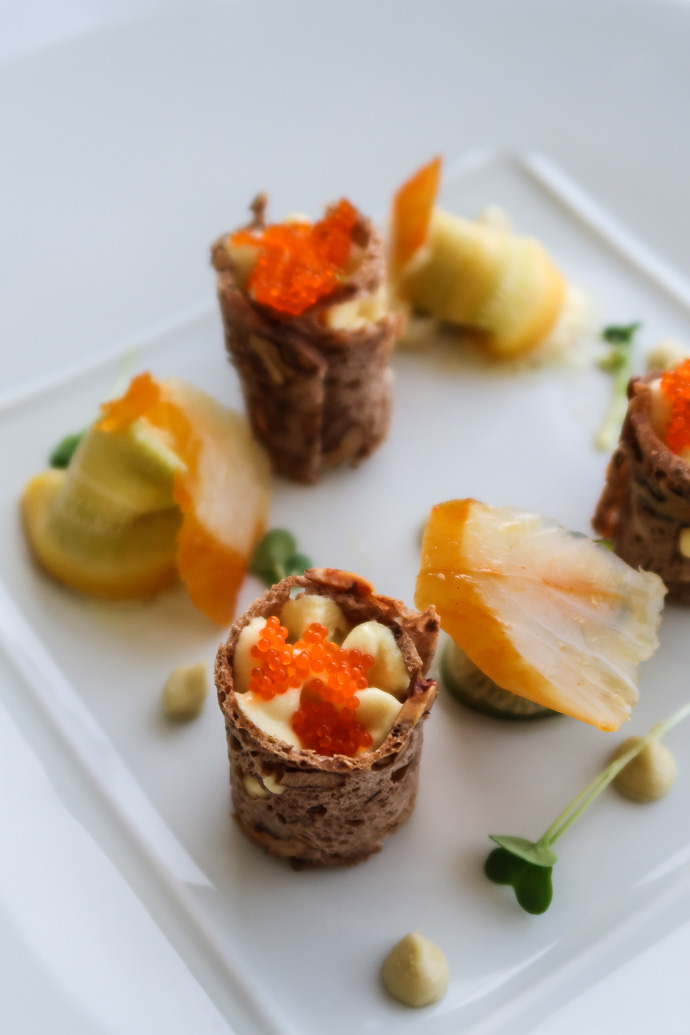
548 614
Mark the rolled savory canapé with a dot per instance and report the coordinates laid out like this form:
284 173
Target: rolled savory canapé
308 327
645 506
324 696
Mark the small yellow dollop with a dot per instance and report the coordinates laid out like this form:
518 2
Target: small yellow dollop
649 775
185 692
415 971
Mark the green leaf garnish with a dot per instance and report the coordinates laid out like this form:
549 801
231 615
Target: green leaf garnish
617 334
527 865
65 450
275 557
618 362
533 889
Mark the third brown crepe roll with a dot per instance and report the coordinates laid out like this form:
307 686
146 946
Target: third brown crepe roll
645 504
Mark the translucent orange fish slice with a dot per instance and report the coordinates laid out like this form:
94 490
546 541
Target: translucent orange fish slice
222 489
548 614
412 207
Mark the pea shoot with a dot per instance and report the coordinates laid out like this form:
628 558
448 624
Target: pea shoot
62 455
619 363
527 865
276 556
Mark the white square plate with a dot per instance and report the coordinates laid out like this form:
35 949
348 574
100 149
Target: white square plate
301 951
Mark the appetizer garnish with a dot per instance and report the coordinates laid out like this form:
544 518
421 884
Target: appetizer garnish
547 614
645 506
415 971
527 865
324 695
649 775
619 363
185 692
61 456
166 483
276 556
501 287
309 329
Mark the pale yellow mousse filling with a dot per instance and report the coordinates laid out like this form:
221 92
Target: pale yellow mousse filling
660 415
379 704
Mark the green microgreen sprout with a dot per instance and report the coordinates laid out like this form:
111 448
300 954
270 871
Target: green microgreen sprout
276 556
527 865
65 450
618 362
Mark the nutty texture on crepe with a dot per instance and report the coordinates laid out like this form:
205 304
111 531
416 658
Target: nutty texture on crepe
331 810
645 504
316 396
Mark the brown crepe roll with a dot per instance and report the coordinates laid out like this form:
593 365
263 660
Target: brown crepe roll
329 810
316 385
645 504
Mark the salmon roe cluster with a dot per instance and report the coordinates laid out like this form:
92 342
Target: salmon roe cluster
299 263
331 677
322 728
675 384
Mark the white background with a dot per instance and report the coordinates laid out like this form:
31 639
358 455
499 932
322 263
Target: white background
80 975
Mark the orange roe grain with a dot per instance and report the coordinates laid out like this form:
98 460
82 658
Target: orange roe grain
330 677
299 263
675 385
321 727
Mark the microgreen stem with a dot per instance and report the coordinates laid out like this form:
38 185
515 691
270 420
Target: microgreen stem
124 374
620 363
583 800
608 432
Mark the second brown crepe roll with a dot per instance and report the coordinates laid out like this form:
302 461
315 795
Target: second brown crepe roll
330 810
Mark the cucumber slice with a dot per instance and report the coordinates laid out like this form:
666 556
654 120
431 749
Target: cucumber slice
471 687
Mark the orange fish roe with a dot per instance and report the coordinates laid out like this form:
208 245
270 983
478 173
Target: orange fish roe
331 677
299 263
321 727
675 384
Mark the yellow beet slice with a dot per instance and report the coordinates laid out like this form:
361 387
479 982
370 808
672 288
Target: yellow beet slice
73 540
525 303
454 274
488 279
547 614
167 482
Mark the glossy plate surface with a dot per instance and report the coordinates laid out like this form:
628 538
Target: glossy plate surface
301 952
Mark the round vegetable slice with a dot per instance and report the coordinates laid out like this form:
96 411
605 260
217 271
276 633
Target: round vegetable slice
473 688
168 482
222 486
503 287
